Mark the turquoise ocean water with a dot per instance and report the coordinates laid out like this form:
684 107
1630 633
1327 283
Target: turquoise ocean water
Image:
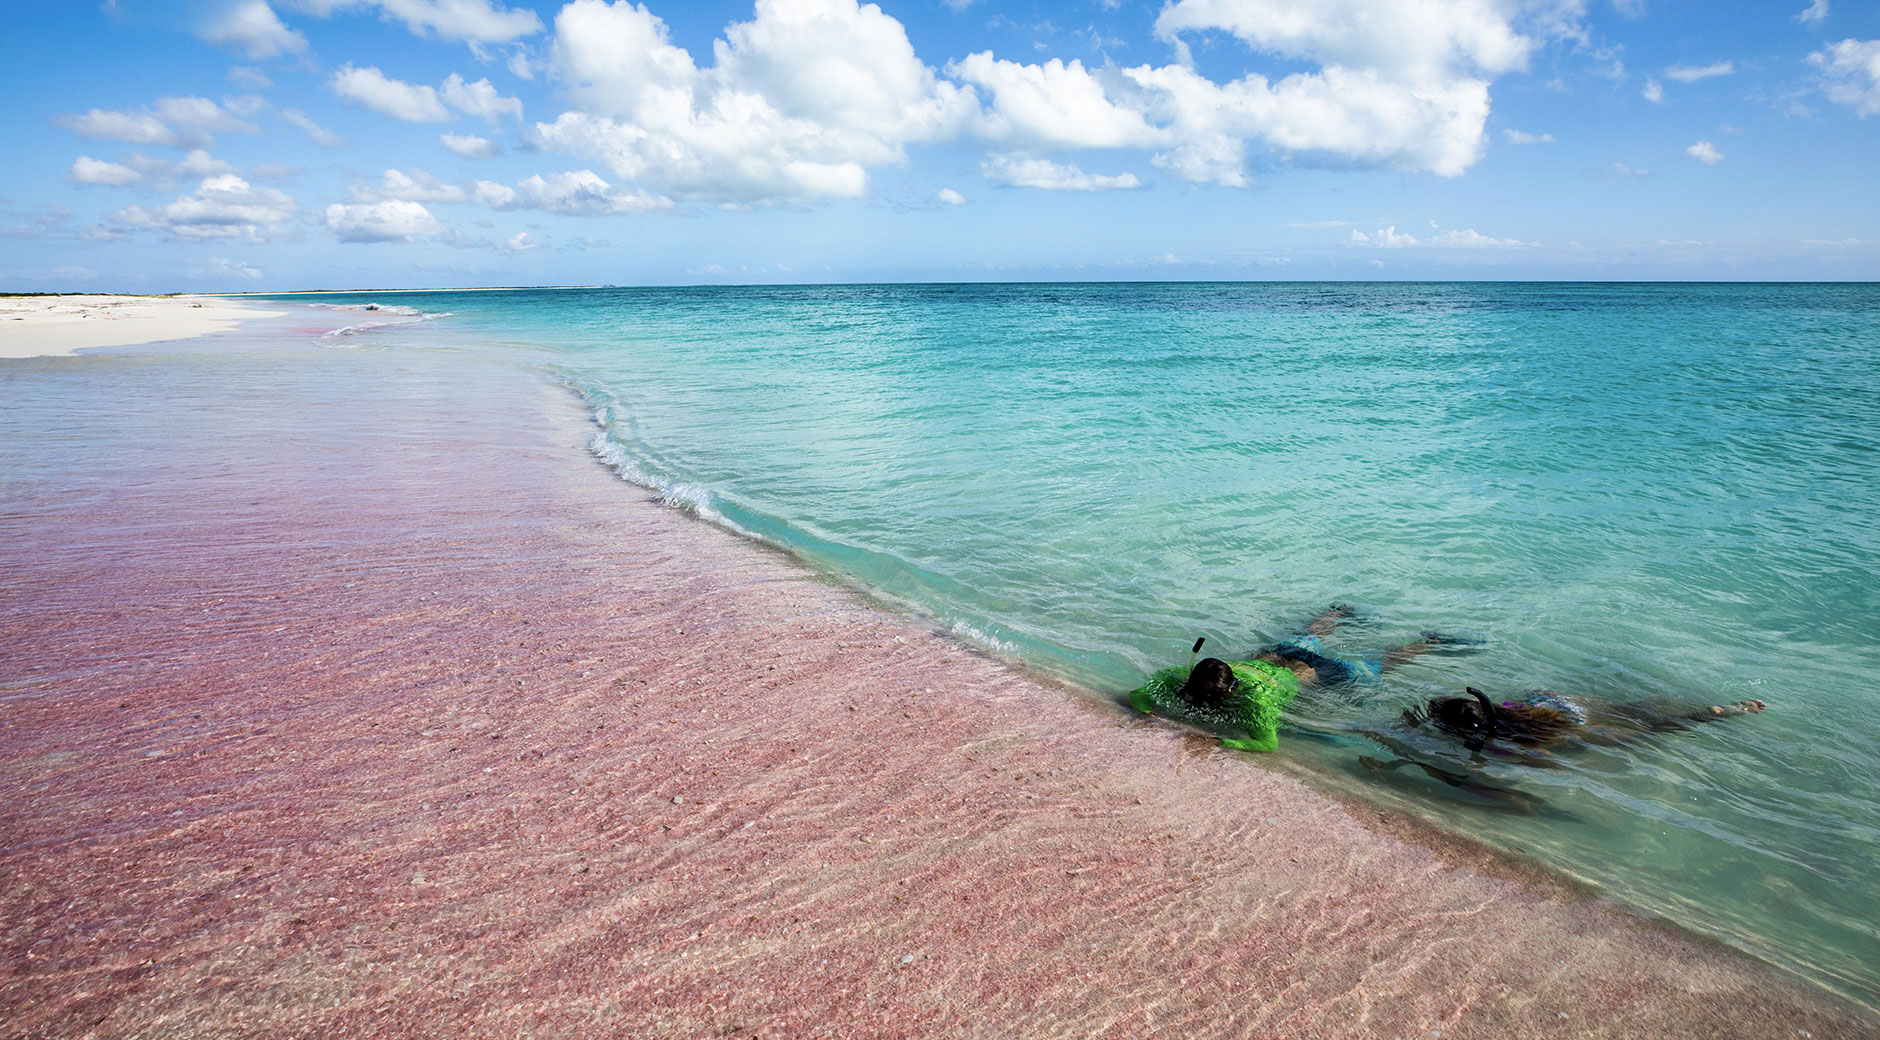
1631 492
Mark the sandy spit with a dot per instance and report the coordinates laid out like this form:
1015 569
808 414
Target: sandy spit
351 738
42 326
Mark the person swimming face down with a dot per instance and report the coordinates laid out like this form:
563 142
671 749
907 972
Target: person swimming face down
1545 719
1210 684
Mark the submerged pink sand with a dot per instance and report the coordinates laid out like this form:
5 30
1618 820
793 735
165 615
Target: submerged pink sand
314 728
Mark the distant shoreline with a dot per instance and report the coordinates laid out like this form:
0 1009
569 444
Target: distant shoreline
480 288
268 294
1066 282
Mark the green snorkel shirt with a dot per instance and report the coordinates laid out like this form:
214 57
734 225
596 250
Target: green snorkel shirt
1265 690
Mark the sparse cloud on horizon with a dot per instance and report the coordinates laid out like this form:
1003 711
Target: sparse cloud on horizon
1018 172
1460 238
1695 73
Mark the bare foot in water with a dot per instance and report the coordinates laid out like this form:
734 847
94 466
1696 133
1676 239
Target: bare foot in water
1739 708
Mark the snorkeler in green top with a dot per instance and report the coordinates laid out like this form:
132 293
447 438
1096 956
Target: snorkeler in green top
1246 696
1249 696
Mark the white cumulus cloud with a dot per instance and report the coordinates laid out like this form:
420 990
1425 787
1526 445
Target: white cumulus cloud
1518 137
801 100
169 122
949 196
223 206
1052 105
576 193
416 186
1043 173
393 220
1814 14
1851 74
418 103
807 97
87 170
1705 152
1352 115
1654 91
469 146
165 173
387 96
468 21
480 99
520 242
1388 83
1423 42
252 27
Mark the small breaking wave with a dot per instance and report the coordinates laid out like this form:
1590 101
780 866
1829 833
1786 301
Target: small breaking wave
354 330
385 308
974 635
688 498
398 316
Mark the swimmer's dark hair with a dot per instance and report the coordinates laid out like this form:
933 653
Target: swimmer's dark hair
1478 720
1210 683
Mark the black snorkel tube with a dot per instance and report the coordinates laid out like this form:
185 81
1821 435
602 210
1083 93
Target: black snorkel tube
1489 720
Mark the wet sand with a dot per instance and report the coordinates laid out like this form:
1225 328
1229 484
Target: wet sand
312 727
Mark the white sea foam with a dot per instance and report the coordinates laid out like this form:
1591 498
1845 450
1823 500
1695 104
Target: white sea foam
379 308
981 638
688 498
354 330
695 500
397 316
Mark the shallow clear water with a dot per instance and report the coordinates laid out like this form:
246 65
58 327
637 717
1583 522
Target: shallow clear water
1632 492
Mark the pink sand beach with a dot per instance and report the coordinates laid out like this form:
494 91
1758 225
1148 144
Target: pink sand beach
312 728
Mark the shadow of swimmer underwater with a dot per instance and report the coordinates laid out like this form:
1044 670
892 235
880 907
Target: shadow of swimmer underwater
1242 702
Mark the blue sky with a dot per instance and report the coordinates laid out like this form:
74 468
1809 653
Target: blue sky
266 145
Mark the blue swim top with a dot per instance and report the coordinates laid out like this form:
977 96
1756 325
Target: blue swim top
1264 691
